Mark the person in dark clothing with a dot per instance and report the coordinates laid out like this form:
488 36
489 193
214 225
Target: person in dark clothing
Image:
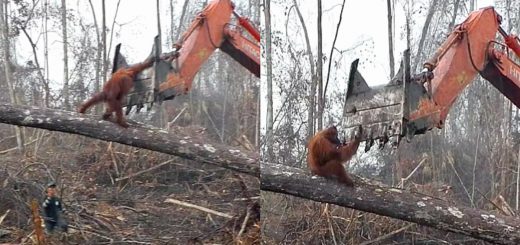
53 210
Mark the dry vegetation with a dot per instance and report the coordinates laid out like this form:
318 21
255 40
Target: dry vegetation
116 194
476 154
299 221
102 209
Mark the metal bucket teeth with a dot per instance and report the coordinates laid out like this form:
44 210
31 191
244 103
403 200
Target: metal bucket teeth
146 84
128 109
379 110
139 107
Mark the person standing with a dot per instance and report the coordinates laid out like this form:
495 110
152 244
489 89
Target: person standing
53 210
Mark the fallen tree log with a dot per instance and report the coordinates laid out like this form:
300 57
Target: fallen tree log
392 202
173 142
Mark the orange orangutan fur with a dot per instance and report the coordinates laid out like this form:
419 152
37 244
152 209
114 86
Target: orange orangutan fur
115 90
326 155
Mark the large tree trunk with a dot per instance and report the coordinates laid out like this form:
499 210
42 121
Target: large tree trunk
454 16
46 53
176 142
393 202
269 78
431 11
36 63
390 14
65 57
517 201
171 38
319 70
104 40
181 21
312 92
254 12
163 120
97 83
7 69
112 28
332 49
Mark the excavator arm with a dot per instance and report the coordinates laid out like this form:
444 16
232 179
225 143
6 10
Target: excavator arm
502 71
411 105
173 73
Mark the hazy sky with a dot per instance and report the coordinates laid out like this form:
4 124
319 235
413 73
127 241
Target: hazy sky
364 22
363 27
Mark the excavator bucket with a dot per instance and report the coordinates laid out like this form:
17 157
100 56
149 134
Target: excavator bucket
172 73
413 105
381 111
146 83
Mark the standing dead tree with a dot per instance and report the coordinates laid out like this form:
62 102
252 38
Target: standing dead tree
393 202
173 142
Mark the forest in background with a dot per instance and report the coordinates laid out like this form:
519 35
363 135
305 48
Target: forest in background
472 161
113 192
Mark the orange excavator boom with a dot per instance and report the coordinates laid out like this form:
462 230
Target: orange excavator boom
411 105
173 73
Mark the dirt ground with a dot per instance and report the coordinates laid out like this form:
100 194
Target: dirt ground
102 210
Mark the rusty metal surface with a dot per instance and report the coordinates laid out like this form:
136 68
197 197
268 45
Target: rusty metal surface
427 98
379 110
241 49
464 58
379 96
203 37
504 74
210 30
146 83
